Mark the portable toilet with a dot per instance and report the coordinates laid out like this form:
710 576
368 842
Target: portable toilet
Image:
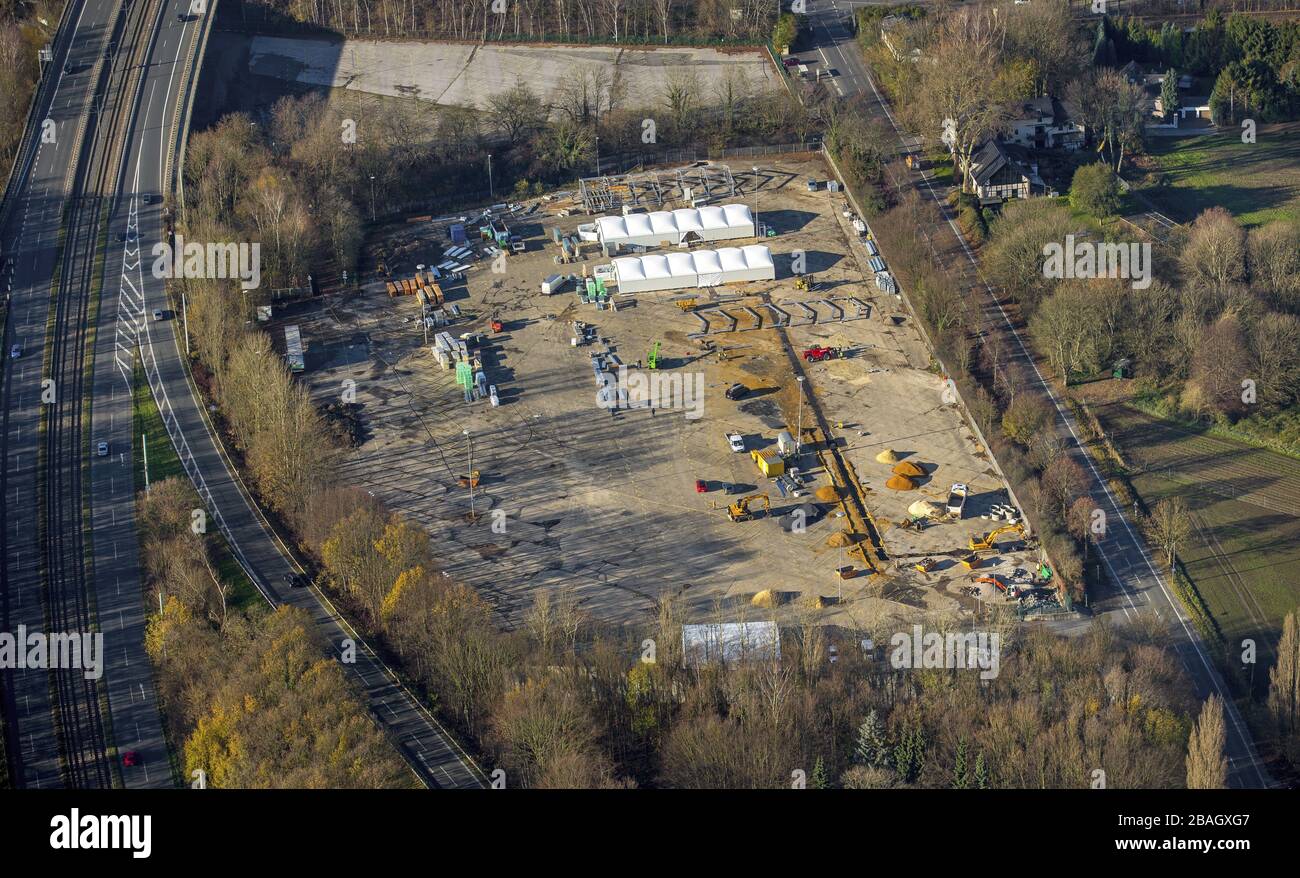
457 233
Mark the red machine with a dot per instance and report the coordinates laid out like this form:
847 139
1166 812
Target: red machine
819 353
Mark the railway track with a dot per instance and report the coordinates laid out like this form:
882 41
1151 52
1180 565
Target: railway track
80 704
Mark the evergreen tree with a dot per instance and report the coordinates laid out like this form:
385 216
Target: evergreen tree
819 779
1207 766
960 777
1169 94
872 748
981 772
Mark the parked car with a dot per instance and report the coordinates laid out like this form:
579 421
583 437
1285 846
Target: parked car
736 441
101 448
130 758
736 391
15 352
701 487
791 62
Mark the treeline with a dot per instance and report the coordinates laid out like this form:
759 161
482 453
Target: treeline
21 36
1216 335
594 21
1255 63
563 702
251 698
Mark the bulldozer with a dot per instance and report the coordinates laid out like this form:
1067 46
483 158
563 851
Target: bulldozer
803 282
989 540
739 511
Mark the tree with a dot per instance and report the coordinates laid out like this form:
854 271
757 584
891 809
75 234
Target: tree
516 112
1214 257
960 768
1113 109
1095 190
1284 688
971 94
1062 481
1169 102
819 781
785 32
872 747
1274 258
1220 362
1207 766
1025 417
1171 524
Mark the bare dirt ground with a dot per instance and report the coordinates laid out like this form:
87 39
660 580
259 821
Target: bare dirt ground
468 74
605 501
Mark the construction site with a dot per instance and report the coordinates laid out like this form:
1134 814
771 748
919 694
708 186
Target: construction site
659 406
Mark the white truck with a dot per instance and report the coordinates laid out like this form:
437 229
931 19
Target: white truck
957 498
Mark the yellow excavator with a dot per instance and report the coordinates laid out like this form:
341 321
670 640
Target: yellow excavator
739 511
989 540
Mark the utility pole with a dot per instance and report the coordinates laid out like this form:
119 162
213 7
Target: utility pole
372 198
144 449
755 201
470 476
185 320
492 192
597 155
798 436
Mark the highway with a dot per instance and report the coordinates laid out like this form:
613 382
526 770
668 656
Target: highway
57 736
1139 589
430 751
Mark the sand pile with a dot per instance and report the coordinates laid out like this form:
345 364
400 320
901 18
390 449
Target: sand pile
887 456
765 598
909 470
900 483
839 540
924 508
827 494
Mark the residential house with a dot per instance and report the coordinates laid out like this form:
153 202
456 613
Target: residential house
1193 111
999 171
1046 123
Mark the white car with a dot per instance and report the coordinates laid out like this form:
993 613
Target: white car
101 448
736 441
157 314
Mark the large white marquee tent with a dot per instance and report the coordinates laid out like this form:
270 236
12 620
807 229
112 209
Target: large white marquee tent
701 268
677 226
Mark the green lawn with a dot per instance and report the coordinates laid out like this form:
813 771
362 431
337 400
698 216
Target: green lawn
1258 182
164 463
1244 549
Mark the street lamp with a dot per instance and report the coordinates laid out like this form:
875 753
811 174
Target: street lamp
372 198
491 191
755 200
470 478
597 155
798 435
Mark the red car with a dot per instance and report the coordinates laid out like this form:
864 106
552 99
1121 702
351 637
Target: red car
130 758
791 62
701 487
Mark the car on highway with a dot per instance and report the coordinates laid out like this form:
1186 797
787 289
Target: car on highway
736 441
295 580
157 314
68 67
15 352
152 198
130 758
736 391
101 448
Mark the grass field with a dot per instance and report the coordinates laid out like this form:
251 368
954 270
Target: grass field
1258 182
1244 551
164 463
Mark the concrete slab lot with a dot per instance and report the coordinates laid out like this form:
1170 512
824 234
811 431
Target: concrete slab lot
468 74
605 501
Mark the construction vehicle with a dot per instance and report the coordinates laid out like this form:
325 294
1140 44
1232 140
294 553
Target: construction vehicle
925 565
1011 591
469 481
496 324
988 542
817 353
685 304
652 360
971 561
804 282
740 511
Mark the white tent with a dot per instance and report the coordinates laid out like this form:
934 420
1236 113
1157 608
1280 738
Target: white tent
701 268
674 227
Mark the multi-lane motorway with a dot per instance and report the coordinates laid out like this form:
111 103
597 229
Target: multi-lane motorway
137 154
1138 588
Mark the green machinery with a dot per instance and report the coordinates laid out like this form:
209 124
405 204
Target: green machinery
652 361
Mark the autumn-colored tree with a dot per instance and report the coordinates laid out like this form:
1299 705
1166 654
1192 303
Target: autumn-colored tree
1207 764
